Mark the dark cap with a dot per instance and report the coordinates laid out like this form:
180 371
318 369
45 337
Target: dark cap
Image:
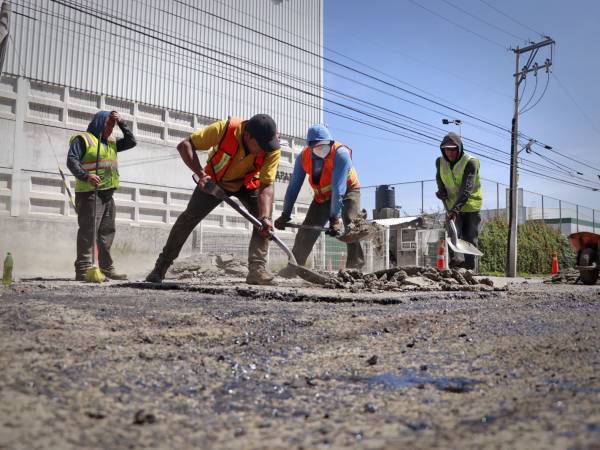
264 129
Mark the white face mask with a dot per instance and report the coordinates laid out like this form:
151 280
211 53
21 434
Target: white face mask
321 150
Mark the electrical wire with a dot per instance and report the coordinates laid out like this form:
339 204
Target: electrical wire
539 98
354 109
511 18
480 36
496 27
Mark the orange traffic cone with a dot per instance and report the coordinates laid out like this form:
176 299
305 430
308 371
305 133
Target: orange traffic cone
554 264
441 259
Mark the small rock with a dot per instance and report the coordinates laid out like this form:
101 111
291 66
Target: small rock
142 417
372 360
95 414
370 408
239 432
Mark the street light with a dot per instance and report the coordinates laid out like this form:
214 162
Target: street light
457 122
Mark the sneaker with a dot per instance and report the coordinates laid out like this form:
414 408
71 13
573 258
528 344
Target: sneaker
260 276
112 275
288 272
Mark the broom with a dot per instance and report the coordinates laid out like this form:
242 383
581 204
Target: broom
94 274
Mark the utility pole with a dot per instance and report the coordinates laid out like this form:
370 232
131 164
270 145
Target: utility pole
520 74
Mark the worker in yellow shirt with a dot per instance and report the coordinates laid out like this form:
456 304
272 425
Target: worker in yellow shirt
243 161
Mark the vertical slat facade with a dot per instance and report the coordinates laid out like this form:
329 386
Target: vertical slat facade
212 58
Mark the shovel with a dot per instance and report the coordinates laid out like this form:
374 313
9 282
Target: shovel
306 274
458 245
347 237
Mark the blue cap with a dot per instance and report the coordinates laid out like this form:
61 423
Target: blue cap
318 132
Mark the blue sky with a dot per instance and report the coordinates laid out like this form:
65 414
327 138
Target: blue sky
437 59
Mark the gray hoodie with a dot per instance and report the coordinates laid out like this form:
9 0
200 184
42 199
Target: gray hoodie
468 182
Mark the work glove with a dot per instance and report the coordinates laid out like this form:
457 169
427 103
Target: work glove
451 215
281 221
335 227
442 195
267 227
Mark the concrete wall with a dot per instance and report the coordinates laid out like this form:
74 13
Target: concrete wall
36 221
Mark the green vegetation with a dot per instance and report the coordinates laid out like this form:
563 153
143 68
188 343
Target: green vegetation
537 242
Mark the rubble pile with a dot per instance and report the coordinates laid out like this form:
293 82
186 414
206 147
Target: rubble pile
410 278
361 229
208 265
565 276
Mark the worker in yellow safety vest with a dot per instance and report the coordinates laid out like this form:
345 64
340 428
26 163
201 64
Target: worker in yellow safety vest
81 161
459 187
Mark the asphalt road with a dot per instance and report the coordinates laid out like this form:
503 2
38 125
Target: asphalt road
223 365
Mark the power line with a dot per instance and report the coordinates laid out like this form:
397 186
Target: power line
511 18
539 98
581 110
496 27
480 36
337 103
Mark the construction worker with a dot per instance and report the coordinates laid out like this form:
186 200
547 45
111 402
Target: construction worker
244 163
81 161
459 187
334 181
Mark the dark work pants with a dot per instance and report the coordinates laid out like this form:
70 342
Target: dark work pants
199 206
467 226
318 214
105 224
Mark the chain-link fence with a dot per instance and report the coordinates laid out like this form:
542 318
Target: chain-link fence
418 197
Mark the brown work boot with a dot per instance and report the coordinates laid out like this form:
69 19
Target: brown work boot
258 274
111 274
158 273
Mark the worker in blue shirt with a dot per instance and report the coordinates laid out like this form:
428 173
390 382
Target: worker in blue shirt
336 189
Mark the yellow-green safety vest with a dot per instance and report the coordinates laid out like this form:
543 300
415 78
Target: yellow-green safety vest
107 165
452 179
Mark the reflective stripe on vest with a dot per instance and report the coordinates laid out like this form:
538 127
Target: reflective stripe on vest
322 191
221 160
452 179
107 165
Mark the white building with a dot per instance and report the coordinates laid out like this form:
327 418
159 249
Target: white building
168 68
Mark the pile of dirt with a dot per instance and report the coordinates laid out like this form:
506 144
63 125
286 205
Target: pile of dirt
410 278
208 265
360 229
566 276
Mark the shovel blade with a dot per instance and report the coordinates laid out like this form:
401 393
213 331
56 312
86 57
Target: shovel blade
464 247
309 275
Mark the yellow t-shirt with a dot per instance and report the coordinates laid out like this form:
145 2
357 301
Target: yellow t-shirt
208 138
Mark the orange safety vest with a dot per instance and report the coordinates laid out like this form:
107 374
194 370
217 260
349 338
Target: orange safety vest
322 191
219 163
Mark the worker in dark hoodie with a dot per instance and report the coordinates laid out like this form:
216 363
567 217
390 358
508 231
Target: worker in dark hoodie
81 161
459 187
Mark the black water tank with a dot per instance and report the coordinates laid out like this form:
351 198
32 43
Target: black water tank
385 197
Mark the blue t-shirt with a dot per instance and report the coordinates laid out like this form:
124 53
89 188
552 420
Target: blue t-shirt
342 164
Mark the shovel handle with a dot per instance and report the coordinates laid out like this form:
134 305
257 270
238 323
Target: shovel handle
212 188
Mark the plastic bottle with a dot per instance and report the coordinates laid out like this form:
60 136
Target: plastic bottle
7 277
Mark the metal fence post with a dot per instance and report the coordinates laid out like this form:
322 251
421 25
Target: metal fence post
543 208
422 196
201 238
593 220
498 199
560 216
577 216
